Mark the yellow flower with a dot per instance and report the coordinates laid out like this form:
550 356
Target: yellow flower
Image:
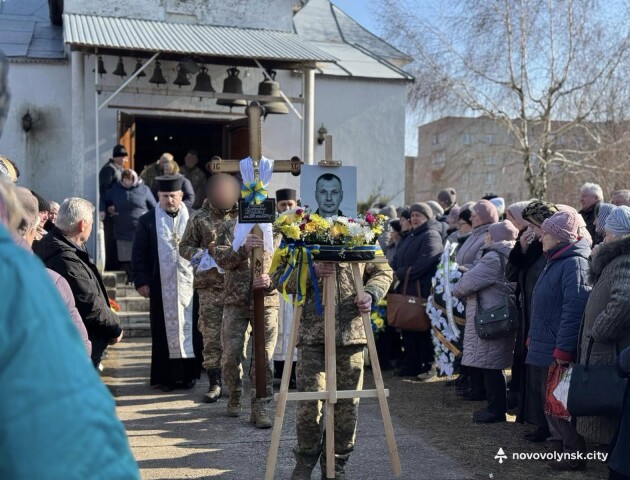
310 227
335 231
291 231
377 230
378 321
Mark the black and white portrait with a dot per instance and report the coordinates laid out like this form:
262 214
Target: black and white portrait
330 191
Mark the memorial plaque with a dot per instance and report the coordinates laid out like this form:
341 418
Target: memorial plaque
264 212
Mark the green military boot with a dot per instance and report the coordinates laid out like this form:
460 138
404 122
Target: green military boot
340 466
304 466
214 391
234 404
260 417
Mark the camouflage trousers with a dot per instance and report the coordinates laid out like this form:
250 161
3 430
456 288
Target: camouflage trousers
311 377
210 321
237 325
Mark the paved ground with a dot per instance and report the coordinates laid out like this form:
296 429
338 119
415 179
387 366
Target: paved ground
174 435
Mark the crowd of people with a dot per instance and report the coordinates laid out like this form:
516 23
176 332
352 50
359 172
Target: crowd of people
562 275
559 276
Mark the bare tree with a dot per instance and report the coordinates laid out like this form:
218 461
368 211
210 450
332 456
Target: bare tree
553 72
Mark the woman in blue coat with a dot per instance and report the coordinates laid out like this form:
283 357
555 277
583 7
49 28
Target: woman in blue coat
558 303
126 201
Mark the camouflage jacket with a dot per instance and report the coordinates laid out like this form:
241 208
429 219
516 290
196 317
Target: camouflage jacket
238 274
349 330
149 174
201 232
198 180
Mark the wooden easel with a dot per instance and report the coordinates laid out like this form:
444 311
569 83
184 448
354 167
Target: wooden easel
331 394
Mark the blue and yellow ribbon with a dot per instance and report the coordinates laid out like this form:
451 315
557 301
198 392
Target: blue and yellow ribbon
299 257
254 193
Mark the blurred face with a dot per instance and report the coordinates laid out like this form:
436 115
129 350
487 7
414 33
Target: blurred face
191 160
43 217
170 201
619 200
284 205
417 219
223 192
127 182
405 225
549 242
328 195
464 227
587 200
120 161
475 219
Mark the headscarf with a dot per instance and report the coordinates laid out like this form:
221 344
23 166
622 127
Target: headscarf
603 210
516 210
618 222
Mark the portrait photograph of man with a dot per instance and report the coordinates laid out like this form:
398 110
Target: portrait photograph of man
330 191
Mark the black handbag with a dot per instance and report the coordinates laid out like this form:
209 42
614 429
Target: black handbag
596 390
500 321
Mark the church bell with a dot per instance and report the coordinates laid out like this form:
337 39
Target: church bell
203 82
269 87
138 67
232 84
182 78
157 78
120 68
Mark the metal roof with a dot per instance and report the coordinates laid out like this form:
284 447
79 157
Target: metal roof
141 35
26 32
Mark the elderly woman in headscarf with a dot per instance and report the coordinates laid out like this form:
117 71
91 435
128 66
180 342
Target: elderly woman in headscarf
525 264
482 215
606 317
126 201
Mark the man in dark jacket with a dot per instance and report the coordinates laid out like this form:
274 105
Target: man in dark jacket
419 254
62 250
109 176
591 195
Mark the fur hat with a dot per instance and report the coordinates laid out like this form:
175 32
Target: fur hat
562 225
503 231
422 208
537 211
448 196
487 212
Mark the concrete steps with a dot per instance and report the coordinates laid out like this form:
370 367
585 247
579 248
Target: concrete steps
134 309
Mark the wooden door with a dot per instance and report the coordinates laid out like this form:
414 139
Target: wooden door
127 136
237 140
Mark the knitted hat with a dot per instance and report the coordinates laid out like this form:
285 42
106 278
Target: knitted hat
603 210
448 196
438 211
422 208
516 210
503 231
389 211
406 214
487 212
464 214
538 211
42 203
499 203
618 222
119 151
562 225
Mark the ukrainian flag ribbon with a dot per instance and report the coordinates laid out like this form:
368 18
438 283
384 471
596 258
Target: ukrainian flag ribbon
254 193
299 258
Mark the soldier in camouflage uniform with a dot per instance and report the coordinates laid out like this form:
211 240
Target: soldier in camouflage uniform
237 318
197 178
311 377
201 232
154 170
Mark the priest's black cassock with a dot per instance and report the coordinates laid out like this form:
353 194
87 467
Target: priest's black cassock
176 342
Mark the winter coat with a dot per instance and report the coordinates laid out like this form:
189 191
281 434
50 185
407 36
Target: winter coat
619 460
187 188
237 287
420 250
606 320
74 264
131 204
108 177
485 282
558 303
349 330
68 299
468 252
53 401
525 268
201 231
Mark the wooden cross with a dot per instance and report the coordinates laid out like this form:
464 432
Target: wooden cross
217 165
